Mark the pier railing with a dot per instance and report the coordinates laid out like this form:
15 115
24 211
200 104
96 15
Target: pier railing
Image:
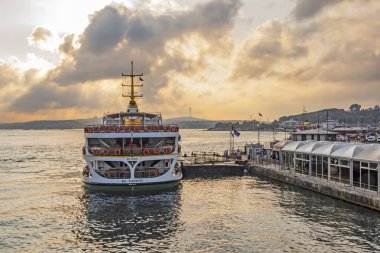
198 157
126 151
341 183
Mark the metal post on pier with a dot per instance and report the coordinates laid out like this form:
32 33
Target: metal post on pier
258 132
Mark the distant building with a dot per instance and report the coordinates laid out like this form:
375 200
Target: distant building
314 134
289 124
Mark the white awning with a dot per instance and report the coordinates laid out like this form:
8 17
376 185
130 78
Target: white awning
359 151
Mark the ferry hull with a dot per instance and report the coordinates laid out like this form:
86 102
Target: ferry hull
133 188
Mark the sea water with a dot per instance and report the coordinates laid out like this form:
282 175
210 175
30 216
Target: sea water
44 207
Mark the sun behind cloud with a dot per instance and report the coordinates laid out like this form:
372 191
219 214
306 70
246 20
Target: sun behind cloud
319 55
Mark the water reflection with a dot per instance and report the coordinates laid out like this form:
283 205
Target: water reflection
335 222
132 223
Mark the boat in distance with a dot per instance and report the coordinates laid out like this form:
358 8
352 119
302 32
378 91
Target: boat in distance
131 151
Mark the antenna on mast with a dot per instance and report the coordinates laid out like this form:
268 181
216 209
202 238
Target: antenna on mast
132 106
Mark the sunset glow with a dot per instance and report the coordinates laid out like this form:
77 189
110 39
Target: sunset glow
227 59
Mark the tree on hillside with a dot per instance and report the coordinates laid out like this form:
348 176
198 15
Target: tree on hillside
355 108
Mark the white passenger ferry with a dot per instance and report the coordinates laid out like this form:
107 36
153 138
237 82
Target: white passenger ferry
131 150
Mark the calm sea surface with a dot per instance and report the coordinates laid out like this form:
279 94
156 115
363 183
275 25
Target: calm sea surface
44 208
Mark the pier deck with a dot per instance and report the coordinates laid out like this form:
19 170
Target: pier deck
213 170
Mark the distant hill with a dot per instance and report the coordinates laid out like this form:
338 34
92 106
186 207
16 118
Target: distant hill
183 122
191 122
370 116
51 124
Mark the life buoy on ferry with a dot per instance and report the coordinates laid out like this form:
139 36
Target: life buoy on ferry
166 128
172 129
145 151
107 129
157 151
156 128
117 129
95 151
146 129
127 129
106 151
96 129
156 173
117 152
136 129
176 129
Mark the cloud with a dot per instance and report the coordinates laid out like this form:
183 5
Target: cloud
51 96
67 47
39 34
117 35
107 28
44 40
159 45
8 74
268 52
305 9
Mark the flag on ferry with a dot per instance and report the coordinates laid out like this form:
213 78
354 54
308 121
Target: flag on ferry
260 114
140 78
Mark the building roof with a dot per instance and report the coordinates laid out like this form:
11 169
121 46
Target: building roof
328 148
310 146
315 131
293 145
357 151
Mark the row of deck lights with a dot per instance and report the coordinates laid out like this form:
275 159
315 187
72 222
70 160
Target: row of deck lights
119 152
128 129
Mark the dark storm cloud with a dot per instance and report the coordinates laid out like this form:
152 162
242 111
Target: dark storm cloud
51 96
116 35
107 28
308 8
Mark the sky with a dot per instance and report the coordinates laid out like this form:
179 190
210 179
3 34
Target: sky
224 59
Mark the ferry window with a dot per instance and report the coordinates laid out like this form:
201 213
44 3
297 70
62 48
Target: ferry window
170 140
364 165
344 162
373 165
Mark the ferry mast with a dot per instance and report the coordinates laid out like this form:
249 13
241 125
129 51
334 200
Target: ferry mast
132 106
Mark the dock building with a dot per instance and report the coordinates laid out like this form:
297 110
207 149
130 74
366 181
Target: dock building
347 171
